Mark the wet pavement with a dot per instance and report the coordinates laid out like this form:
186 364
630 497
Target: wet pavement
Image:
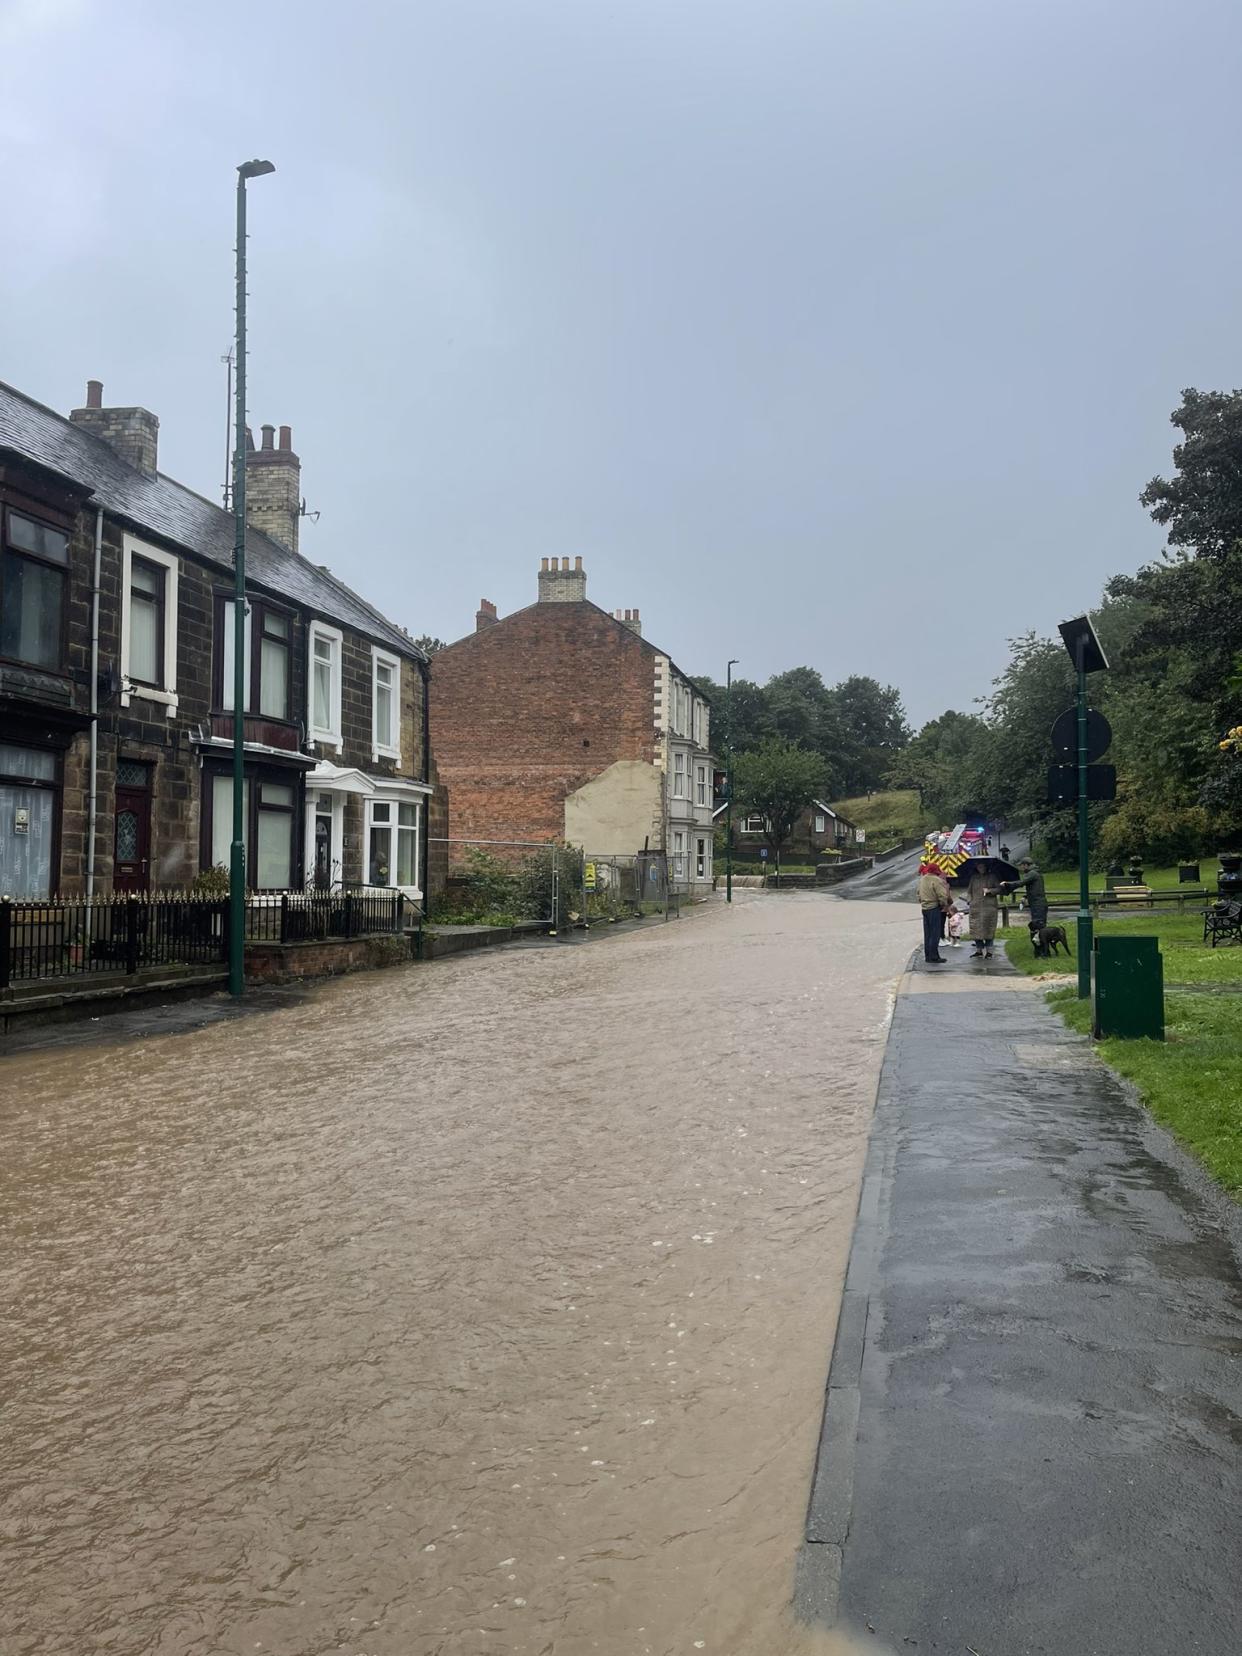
477 1307
1037 1389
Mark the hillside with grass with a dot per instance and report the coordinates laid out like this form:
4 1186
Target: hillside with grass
889 815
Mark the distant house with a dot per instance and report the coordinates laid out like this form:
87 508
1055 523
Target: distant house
116 677
562 723
818 831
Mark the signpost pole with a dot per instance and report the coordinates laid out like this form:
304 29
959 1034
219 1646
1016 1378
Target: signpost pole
1085 928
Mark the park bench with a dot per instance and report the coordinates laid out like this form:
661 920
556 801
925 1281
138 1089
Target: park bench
1223 919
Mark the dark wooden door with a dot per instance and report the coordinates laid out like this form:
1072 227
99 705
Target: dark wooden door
131 852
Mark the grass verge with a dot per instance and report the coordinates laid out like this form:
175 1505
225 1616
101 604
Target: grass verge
1186 958
1192 1081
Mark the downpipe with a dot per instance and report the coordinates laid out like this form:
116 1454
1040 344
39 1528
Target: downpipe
92 800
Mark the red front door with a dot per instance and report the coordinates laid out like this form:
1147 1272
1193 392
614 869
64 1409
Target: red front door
131 867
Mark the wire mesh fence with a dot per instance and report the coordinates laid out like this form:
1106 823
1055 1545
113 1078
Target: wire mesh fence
493 882
621 886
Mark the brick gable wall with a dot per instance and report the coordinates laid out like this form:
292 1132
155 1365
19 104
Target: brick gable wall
527 710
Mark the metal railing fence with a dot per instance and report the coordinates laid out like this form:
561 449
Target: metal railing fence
311 916
73 937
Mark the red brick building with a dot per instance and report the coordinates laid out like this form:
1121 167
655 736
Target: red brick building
562 723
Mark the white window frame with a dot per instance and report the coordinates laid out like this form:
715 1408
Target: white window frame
380 750
679 775
700 785
679 853
748 823
332 738
165 694
821 823
394 801
703 859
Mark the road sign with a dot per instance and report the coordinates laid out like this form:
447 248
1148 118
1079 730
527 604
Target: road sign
588 876
1065 736
1063 783
763 852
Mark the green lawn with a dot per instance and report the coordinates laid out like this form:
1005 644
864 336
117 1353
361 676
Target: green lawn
1192 1081
1063 884
1186 958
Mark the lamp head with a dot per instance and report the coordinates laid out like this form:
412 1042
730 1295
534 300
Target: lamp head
256 169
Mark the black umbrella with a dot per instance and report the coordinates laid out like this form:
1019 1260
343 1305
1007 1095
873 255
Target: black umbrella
998 871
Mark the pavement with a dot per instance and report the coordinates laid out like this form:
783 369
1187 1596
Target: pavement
1031 1440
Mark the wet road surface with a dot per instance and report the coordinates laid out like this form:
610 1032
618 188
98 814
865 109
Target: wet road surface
482 1307
1045 1372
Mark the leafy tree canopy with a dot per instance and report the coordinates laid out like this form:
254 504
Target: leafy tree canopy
778 779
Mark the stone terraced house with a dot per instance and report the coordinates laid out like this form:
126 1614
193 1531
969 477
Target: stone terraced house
116 678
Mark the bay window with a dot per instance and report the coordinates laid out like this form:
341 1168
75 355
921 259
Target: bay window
268 635
272 665
34 562
324 693
700 785
385 705
269 813
393 828
679 775
29 797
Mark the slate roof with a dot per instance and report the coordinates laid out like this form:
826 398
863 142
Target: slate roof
175 513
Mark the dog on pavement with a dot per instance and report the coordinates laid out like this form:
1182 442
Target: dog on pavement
1045 940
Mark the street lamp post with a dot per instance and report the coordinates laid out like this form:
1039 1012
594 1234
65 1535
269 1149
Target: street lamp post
729 781
1088 656
237 850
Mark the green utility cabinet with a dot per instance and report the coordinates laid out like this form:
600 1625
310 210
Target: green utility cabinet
1129 988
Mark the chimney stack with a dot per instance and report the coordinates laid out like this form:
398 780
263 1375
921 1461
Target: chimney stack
629 618
486 616
559 584
274 486
132 433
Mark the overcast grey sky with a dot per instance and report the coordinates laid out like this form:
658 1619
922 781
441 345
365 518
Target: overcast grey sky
797 319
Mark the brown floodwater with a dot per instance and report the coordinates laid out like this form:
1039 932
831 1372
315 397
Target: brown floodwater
480 1307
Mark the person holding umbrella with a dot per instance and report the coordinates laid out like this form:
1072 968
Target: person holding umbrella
984 908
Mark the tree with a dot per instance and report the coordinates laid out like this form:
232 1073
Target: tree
777 780
429 645
943 762
868 728
745 707
1202 505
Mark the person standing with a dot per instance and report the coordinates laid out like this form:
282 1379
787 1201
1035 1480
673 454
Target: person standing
983 910
1036 897
934 900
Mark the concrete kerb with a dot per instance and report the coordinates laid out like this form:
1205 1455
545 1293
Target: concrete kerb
817 1576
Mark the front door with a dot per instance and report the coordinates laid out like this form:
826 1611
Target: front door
132 848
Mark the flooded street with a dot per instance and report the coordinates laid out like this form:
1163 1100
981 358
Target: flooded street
480 1307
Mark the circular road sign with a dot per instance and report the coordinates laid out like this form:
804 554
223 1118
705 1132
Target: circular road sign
1065 736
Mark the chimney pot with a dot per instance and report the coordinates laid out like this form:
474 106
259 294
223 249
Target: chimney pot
268 433
578 564
565 564
286 437
543 566
94 393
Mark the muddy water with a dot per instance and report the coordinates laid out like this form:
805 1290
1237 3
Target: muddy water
480 1308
